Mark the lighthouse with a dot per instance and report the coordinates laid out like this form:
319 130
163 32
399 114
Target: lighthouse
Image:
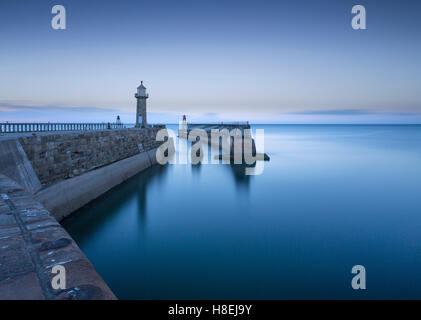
141 97
182 128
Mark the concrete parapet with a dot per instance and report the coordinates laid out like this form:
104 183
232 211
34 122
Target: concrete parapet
66 196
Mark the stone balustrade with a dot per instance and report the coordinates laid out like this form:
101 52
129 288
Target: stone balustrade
45 127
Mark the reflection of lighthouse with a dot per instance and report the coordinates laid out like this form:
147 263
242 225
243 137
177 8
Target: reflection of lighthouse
141 97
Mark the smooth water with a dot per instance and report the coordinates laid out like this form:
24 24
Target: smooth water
331 197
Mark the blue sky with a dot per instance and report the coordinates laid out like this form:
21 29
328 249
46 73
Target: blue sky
263 61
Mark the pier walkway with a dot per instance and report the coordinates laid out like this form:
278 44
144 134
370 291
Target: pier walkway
219 126
31 243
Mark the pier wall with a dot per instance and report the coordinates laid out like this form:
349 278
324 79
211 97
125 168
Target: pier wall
66 196
56 157
66 170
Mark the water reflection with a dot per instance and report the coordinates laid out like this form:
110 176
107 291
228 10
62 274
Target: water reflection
196 169
242 180
102 209
140 185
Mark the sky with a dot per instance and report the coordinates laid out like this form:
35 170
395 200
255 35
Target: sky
263 61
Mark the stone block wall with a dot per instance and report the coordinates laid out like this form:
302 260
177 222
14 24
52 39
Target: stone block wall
65 155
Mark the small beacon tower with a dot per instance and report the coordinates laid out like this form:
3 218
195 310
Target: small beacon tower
141 97
182 128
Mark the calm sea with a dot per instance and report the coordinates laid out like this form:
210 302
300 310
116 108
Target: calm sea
331 197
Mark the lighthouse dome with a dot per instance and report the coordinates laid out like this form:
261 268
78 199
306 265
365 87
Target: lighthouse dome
141 90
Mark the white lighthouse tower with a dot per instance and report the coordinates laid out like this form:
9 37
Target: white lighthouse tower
141 97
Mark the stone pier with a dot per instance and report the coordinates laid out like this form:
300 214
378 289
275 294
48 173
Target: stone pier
230 131
65 171
44 177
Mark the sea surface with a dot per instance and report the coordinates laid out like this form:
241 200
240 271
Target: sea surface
331 197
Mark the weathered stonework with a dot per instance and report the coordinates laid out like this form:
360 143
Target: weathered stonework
60 156
32 242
